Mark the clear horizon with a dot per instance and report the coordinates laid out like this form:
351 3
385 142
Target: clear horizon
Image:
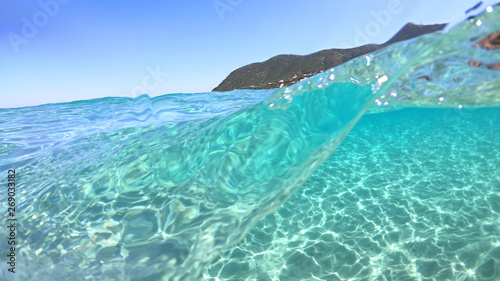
62 50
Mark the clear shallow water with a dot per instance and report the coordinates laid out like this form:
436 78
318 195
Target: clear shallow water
409 195
151 189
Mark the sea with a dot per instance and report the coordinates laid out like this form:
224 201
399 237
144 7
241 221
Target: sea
384 168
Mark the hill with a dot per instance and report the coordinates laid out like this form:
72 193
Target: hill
284 70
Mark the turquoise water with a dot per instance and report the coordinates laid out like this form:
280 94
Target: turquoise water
409 195
196 186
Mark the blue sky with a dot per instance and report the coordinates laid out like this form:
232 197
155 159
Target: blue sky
65 50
